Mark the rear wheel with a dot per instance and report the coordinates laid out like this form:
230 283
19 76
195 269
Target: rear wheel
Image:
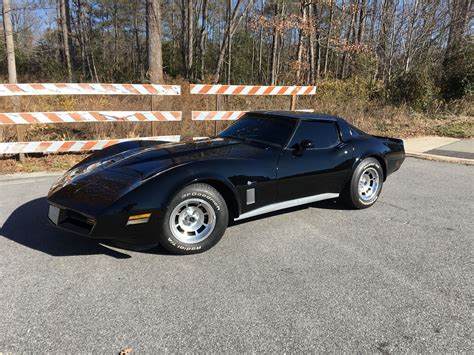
195 220
365 186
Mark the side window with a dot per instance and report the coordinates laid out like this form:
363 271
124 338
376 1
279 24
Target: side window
322 134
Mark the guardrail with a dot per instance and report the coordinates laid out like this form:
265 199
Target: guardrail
29 118
70 146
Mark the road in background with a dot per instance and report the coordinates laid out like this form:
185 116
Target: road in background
395 277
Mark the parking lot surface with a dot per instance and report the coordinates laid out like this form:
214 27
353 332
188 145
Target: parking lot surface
396 277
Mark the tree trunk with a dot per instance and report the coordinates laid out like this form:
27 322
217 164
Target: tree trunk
384 38
273 72
392 46
82 40
460 14
174 52
373 20
260 55
155 57
10 44
299 57
65 37
138 47
189 39
147 34
328 40
362 18
229 30
260 48
352 15
318 42
12 79
313 44
115 24
229 43
408 41
203 39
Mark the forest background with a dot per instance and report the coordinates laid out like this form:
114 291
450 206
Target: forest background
392 67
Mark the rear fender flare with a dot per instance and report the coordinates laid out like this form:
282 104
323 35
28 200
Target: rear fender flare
377 156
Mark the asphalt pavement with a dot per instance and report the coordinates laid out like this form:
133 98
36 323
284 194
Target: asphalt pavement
393 278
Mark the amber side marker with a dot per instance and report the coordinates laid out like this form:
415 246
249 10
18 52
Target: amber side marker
139 219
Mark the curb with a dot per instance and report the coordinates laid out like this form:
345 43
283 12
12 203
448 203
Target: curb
441 158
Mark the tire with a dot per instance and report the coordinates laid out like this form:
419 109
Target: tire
365 186
195 220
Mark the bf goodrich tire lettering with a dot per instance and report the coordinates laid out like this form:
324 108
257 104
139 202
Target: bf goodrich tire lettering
195 220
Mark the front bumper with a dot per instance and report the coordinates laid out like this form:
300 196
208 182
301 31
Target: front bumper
71 220
107 227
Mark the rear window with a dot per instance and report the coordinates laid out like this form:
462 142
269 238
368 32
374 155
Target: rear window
322 134
356 131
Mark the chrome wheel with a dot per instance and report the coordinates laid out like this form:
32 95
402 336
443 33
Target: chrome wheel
369 183
192 221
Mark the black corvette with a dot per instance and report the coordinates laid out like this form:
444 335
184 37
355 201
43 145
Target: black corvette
182 195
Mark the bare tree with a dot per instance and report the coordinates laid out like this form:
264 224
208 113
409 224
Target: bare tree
328 39
189 39
10 44
155 55
275 38
385 35
187 36
203 38
121 40
63 22
301 39
232 23
461 12
362 20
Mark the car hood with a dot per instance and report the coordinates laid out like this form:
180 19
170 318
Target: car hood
147 161
97 183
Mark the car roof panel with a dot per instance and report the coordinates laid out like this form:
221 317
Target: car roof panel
299 115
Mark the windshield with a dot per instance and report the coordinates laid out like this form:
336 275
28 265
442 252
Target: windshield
263 129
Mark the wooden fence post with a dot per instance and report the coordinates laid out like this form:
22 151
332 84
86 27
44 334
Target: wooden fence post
293 103
20 131
218 108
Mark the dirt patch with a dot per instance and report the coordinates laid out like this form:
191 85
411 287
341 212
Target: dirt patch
56 162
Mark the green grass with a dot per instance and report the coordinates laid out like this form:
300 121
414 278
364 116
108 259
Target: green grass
462 129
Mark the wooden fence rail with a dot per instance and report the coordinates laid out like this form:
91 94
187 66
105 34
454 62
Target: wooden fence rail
87 89
28 118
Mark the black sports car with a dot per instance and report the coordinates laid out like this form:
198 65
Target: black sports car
182 195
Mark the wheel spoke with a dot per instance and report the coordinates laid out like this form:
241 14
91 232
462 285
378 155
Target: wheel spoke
369 184
192 221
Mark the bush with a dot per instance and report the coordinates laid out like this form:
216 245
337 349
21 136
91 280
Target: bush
344 90
415 89
458 76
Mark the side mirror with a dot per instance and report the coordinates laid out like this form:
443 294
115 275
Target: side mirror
298 149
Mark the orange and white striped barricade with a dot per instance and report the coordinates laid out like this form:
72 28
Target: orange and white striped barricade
71 146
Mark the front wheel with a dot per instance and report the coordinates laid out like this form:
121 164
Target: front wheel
195 220
365 186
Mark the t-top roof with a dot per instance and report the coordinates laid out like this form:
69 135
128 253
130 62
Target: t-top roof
299 115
